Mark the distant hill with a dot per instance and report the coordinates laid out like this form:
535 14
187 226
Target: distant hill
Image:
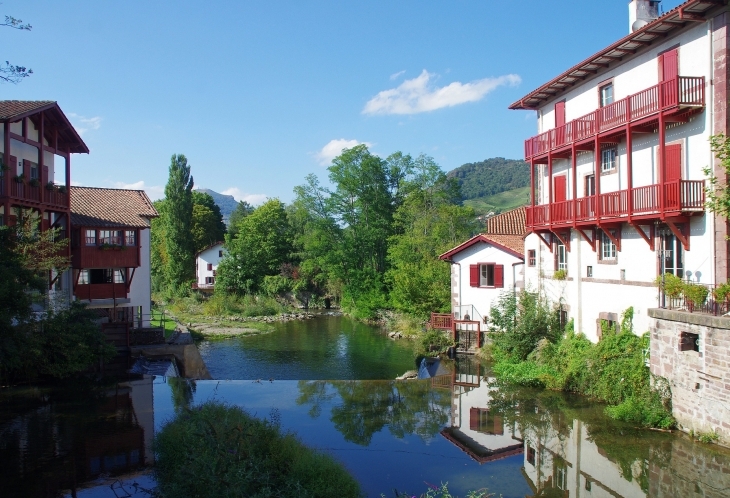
501 202
491 177
226 202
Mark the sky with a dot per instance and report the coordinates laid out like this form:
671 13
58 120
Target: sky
259 94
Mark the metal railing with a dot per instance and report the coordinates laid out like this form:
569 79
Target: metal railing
709 306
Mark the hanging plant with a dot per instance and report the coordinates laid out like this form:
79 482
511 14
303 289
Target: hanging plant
34 182
20 179
50 186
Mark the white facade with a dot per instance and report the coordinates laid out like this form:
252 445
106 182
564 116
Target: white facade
206 265
601 283
476 301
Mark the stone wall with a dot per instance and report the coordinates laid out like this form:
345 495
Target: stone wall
700 380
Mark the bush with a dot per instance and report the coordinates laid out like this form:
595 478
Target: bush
220 304
560 275
217 450
695 293
433 342
721 292
672 285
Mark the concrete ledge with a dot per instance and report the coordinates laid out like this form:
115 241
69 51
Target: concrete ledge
718 322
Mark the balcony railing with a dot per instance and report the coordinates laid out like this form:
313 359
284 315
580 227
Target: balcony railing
23 191
682 91
710 305
679 196
443 321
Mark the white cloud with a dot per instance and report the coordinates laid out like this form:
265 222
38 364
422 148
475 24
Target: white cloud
397 75
334 148
416 95
84 124
253 199
154 192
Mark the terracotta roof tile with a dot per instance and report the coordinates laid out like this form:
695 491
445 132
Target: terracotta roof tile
109 207
514 242
11 108
508 223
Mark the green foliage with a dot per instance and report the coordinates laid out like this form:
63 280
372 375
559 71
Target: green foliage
443 492
207 221
177 221
613 371
671 284
706 437
695 293
216 450
717 191
519 321
432 342
491 176
501 202
221 304
16 283
560 275
261 245
721 292
242 210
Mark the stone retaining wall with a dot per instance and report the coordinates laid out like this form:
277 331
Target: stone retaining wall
700 380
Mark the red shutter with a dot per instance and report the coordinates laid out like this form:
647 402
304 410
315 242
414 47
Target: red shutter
474 275
669 65
560 188
499 275
473 418
210 266
673 164
498 425
13 166
559 113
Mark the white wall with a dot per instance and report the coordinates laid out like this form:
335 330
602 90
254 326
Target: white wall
480 298
211 256
140 292
26 151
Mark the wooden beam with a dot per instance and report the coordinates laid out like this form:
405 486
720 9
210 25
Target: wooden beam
615 240
686 16
548 244
648 237
676 230
590 240
563 238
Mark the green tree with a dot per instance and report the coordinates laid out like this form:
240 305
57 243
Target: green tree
718 194
158 247
242 210
178 217
208 227
261 246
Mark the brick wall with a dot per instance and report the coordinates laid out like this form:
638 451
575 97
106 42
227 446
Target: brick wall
700 381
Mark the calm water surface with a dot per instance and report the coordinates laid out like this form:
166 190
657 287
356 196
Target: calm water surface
458 426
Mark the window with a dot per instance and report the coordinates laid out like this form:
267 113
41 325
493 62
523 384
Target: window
561 473
2 220
210 280
589 271
214 273
589 186
90 237
606 92
220 253
130 238
210 266
689 342
608 248
101 276
120 276
105 236
531 455
486 275
482 420
33 171
608 159
83 277
672 256
561 256
531 257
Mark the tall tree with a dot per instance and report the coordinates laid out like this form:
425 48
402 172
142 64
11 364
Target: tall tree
11 73
158 247
178 223
208 226
261 246
242 210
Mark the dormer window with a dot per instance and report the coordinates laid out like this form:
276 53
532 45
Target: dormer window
606 93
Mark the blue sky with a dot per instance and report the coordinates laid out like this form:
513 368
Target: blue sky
259 94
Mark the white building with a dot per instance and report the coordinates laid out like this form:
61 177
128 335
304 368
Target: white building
616 166
206 265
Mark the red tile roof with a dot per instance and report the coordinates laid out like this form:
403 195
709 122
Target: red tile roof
55 121
508 223
512 244
110 207
10 109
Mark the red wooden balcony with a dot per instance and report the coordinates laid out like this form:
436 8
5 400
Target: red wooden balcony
680 196
673 95
35 194
104 257
101 291
443 321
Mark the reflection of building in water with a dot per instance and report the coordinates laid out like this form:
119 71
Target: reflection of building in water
476 429
573 464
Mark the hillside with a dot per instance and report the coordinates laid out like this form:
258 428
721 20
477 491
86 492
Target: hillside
498 203
491 176
226 202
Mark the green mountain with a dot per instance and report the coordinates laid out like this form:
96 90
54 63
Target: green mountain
491 176
226 202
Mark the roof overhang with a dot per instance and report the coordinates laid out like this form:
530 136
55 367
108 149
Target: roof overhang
691 11
476 240
55 116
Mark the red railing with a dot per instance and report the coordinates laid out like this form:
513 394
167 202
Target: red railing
442 321
680 91
35 193
679 195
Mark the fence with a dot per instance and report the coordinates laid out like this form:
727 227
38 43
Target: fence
709 306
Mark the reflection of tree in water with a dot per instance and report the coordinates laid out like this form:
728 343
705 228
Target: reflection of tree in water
183 392
406 407
542 415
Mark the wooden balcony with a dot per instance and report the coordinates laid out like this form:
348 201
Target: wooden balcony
105 257
39 195
676 95
101 291
442 321
679 197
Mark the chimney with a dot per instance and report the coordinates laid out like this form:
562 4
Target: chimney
642 12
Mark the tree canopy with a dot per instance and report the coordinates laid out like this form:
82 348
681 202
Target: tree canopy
177 221
491 176
208 227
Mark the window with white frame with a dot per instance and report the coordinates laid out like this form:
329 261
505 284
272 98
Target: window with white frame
120 276
608 248
486 275
130 238
531 257
608 159
561 256
83 277
90 237
606 92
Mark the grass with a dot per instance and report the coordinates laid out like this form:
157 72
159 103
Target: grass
504 201
159 319
215 450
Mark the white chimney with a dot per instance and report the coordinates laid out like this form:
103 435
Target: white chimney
642 12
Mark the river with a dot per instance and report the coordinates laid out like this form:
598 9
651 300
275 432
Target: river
459 426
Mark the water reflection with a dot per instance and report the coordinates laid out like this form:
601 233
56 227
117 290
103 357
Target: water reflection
58 438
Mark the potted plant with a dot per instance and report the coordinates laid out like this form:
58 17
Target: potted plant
19 179
560 275
670 284
721 292
61 188
695 294
50 186
34 182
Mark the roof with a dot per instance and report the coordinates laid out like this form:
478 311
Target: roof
12 111
510 222
110 207
674 20
511 244
478 452
210 246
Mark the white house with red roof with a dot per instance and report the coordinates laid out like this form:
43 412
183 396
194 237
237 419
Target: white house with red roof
617 181
206 266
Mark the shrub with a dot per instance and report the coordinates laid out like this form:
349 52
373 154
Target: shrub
217 450
695 293
722 292
671 286
560 275
433 342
